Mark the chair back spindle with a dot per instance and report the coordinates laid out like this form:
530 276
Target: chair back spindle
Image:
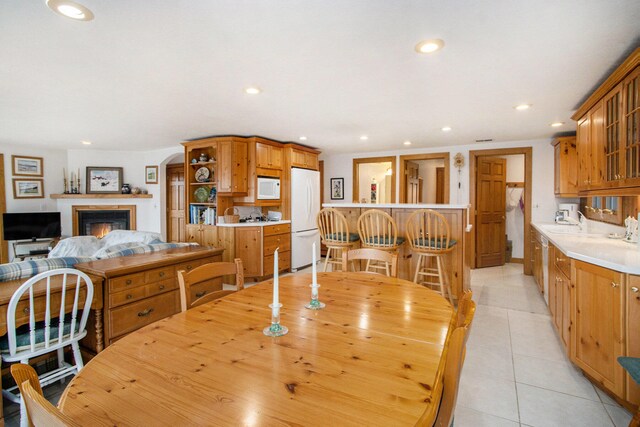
67 316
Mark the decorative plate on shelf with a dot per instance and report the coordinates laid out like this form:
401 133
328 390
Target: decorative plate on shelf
201 194
202 174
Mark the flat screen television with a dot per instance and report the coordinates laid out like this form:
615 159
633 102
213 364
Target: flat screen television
31 225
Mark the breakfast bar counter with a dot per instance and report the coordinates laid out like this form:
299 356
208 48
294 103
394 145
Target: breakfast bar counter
457 215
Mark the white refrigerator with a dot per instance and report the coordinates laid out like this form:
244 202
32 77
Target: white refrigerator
305 205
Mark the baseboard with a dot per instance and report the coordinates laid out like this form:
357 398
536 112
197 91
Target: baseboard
517 260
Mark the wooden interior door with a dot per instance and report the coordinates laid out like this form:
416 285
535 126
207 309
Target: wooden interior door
175 203
439 185
491 180
412 172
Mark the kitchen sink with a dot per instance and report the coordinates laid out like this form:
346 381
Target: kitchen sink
573 230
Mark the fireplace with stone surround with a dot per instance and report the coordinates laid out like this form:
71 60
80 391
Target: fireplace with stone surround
99 220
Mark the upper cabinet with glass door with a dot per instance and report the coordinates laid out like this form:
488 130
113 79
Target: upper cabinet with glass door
609 132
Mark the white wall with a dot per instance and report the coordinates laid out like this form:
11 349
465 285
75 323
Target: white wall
150 213
53 162
544 202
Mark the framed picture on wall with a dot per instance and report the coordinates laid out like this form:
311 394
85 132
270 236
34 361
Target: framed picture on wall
28 188
26 165
104 180
337 188
150 174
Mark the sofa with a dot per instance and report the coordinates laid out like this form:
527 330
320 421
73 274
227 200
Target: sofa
74 250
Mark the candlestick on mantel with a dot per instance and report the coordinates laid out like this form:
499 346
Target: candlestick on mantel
276 329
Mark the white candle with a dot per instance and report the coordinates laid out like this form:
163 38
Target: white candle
314 272
276 300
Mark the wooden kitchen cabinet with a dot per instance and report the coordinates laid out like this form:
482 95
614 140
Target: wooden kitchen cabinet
537 261
304 159
204 235
597 338
565 157
608 140
232 167
256 246
269 156
591 151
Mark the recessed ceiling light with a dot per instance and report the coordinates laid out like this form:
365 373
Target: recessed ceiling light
446 129
407 143
70 9
86 142
252 90
556 124
522 107
364 137
303 138
429 46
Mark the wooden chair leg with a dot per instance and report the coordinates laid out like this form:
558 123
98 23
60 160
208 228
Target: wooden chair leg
418 264
444 284
326 259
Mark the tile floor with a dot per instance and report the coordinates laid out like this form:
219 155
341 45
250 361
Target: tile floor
516 372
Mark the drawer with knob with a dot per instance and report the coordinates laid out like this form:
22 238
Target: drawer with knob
133 316
271 243
188 266
159 274
126 282
199 290
270 230
137 293
563 263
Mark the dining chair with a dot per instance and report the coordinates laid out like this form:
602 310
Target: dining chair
40 412
378 230
464 306
334 232
429 236
454 361
192 293
64 324
390 259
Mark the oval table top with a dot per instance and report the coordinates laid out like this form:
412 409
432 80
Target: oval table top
371 357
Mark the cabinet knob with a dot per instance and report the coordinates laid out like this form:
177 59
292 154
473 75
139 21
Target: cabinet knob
129 296
200 294
614 285
128 282
634 289
161 287
161 274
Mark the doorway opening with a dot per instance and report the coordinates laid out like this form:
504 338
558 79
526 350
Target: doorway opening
500 197
176 228
374 180
424 178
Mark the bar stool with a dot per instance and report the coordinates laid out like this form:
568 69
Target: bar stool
429 236
334 232
378 230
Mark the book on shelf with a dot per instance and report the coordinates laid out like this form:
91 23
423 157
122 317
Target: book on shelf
199 214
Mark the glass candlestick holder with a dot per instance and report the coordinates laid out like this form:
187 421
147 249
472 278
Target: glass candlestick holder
315 303
276 329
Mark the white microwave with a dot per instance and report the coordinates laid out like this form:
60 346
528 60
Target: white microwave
268 188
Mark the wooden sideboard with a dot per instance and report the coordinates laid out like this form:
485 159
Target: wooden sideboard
141 289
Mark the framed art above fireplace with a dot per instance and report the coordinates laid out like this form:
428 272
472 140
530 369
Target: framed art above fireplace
102 180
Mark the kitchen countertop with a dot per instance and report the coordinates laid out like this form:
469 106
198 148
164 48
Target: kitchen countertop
597 249
393 205
255 224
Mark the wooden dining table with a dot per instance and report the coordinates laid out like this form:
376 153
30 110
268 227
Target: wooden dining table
373 356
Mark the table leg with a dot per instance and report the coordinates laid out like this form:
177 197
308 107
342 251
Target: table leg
99 331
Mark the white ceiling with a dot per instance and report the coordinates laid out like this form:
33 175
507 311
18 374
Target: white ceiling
149 74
